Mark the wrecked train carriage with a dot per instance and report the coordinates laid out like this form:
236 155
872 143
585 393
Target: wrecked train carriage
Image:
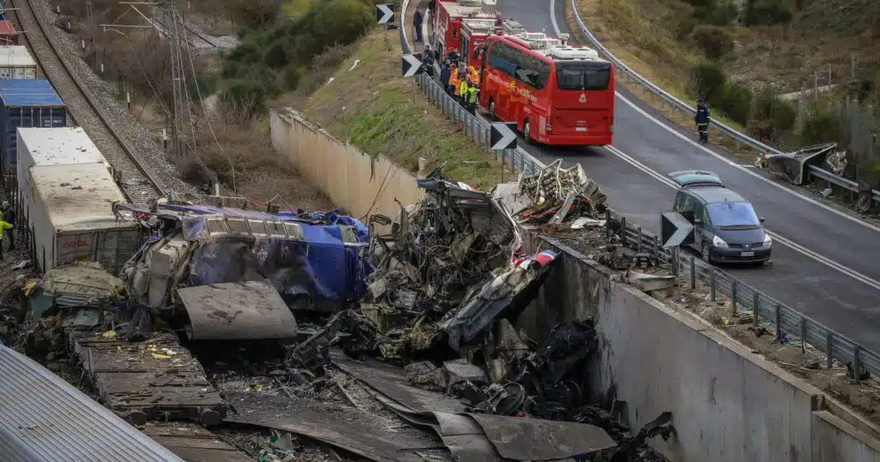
314 260
438 249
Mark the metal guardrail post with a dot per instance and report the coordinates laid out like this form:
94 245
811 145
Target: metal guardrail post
693 273
607 223
623 230
639 241
712 283
655 247
756 299
778 322
733 297
803 334
857 364
829 348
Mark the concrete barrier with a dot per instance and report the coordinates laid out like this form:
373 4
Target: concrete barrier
727 403
360 183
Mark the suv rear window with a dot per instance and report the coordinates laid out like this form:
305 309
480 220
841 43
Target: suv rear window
579 75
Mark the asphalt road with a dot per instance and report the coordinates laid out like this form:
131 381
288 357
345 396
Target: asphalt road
830 268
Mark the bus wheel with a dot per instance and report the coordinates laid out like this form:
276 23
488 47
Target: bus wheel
527 132
492 107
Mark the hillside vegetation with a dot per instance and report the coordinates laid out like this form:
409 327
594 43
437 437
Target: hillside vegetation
741 59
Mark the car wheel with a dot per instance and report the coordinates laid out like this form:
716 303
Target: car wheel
704 252
527 132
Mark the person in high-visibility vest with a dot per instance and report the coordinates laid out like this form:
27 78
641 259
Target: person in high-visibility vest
462 91
471 93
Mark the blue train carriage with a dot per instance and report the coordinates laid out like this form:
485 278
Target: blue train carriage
26 103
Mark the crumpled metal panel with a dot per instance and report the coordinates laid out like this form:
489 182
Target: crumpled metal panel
43 418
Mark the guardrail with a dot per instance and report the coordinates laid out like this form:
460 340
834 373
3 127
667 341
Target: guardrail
737 136
784 322
787 321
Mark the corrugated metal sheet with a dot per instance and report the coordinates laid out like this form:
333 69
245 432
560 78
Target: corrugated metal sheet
29 92
44 419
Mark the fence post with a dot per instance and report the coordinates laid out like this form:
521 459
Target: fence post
639 242
623 230
778 323
607 224
655 248
733 298
829 347
755 300
712 283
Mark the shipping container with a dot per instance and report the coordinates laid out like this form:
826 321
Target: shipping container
16 62
8 35
72 217
51 146
26 103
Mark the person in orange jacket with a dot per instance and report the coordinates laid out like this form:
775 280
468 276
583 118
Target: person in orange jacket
454 81
473 75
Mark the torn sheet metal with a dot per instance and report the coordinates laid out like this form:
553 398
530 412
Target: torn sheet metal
315 260
509 293
650 282
792 165
556 195
525 439
393 383
250 310
465 438
367 435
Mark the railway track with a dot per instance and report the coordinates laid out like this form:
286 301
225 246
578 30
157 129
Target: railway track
136 182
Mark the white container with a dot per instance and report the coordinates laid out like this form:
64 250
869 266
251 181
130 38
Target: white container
16 62
50 146
72 217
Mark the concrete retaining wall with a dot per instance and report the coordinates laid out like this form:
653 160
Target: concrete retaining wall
362 184
727 404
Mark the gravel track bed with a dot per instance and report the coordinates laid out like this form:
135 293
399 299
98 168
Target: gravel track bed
141 143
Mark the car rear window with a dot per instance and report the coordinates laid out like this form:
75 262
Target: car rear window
583 75
732 214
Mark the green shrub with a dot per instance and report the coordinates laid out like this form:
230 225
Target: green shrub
276 56
685 26
715 41
291 76
244 98
701 3
767 12
771 115
821 127
708 80
716 15
736 102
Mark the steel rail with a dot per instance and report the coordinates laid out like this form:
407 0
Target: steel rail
127 164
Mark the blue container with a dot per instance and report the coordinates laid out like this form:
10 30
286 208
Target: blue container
26 103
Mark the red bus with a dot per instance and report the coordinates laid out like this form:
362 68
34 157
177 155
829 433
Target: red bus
557 94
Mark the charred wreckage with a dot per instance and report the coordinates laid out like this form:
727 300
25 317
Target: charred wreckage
419 309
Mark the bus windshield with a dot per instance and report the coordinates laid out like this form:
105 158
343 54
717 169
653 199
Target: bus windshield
583 75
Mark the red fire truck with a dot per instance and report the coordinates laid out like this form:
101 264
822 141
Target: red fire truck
474 32
447 21
557 94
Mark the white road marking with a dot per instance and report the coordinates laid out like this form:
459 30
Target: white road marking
719 156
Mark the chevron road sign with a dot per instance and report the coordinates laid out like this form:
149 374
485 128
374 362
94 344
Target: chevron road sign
676 230
502 135
384 13
411 66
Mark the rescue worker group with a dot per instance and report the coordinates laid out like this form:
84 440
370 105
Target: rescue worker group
459 80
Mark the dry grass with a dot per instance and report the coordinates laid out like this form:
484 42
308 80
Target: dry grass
375 109
248 165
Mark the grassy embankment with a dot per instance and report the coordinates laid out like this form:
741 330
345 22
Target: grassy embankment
373 107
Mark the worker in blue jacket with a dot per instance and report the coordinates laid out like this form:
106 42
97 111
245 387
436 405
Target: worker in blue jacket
702 119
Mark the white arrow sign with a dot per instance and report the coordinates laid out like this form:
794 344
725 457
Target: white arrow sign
676 230
502 136
411 66
384 13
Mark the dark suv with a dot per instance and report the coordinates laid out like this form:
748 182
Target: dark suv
727 229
